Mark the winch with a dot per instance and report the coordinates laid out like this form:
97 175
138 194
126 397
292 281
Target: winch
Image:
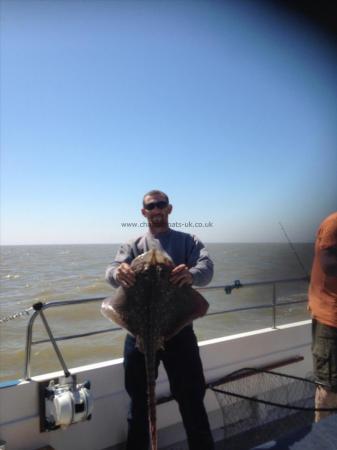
64 402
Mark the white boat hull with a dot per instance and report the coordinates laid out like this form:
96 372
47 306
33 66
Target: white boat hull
19 410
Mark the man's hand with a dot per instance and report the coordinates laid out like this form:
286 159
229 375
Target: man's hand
180 275
125 275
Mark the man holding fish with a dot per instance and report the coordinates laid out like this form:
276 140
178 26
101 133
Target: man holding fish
179 260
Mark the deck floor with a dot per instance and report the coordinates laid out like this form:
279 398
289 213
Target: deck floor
246 440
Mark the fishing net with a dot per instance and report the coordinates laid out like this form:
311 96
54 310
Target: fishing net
259 405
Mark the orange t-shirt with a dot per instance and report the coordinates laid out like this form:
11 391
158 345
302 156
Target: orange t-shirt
323 288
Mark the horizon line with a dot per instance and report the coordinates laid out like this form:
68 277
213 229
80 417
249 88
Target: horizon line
120 243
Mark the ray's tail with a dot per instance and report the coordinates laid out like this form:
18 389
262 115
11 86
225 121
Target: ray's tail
150 361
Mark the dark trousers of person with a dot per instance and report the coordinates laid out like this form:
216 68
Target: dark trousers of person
183 365
324 353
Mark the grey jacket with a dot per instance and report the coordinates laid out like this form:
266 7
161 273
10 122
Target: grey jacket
183 248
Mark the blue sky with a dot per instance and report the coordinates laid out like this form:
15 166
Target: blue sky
229 107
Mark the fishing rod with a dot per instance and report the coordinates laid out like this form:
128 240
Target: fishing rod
295 252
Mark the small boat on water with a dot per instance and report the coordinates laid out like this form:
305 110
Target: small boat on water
85 408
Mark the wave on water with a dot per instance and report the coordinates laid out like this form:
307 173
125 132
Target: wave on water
95 288
11 277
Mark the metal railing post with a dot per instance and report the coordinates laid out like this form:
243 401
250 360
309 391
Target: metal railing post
274 306
28 350
52 340
29 335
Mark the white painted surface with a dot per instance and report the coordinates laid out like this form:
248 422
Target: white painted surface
19 409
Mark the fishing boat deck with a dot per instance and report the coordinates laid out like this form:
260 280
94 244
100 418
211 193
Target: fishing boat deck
312 436
255 438
321 435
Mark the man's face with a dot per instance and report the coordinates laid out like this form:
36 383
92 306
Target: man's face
157 215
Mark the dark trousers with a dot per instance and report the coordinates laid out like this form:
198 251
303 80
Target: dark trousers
182 363
324 353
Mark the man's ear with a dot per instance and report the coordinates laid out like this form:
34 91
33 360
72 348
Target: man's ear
169 209
143 210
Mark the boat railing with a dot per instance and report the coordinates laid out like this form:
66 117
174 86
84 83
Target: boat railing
40 307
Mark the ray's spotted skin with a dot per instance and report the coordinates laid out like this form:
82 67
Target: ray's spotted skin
153 310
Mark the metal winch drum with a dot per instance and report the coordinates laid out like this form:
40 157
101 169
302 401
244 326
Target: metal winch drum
63 402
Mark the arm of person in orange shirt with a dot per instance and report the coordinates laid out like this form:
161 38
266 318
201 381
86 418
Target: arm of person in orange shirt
328 259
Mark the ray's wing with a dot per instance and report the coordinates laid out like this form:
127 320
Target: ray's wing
185 305
111 305
127 307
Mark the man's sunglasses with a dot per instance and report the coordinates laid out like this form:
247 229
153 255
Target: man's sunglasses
161 205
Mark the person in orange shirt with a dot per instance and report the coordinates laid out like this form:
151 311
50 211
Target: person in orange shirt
323 307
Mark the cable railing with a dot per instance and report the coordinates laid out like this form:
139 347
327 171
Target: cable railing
40 307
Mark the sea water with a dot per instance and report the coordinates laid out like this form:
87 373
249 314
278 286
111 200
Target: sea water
51 273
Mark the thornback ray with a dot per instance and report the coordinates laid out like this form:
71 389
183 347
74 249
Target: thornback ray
153 310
